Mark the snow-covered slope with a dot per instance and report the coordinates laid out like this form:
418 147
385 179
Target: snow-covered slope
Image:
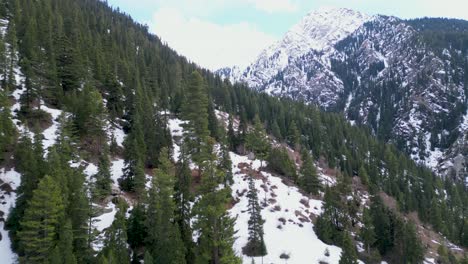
288 214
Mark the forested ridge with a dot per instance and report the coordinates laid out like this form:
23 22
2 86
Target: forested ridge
102 68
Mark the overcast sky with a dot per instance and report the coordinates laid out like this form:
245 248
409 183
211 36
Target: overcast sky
219 33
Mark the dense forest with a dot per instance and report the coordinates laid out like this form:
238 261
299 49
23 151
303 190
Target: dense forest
100 67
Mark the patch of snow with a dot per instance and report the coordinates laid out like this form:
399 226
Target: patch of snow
464 124
117 170
100 223
348 102
177 131
434 156
105 220
50 134
118 133
283 202
90 171
8 201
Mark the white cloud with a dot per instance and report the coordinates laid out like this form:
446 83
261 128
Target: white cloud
273 6
203 7
210 45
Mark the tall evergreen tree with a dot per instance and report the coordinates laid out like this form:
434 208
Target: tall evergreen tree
294 136
349 254
103 180
213 223
183 198
195 110
309 180
63 251
255 244
367 233
257 141
40 223
164 239
135 150
7 129
115 249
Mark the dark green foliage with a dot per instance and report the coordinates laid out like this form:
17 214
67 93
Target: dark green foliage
103 181
7 130
309 180
215 226
333 221
115 249
40 223
255 244
349 254
279 161
367 233
30 162
134 155
63 251
136 227
294 136
163 238
195 110
88 116
395 238
183 197
257 141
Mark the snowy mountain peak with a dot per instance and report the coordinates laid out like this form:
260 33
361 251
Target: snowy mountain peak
319 30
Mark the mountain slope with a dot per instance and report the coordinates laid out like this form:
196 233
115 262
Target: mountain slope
407 81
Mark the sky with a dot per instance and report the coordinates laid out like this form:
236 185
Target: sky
220 33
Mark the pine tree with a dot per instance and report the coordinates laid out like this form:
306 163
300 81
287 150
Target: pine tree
88 117
255 244
30 162
135 150
294 136
256 140
114 97
363 175
367 231
136 227
231 134
213 223
225 160
195 110
7 129
115 249
103 180
39 225
333 220
309 180
164 239
183 199
63 251
349 254
148 259
275 130
68 65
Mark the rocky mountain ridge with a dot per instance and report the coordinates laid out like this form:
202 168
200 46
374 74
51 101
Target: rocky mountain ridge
381 72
